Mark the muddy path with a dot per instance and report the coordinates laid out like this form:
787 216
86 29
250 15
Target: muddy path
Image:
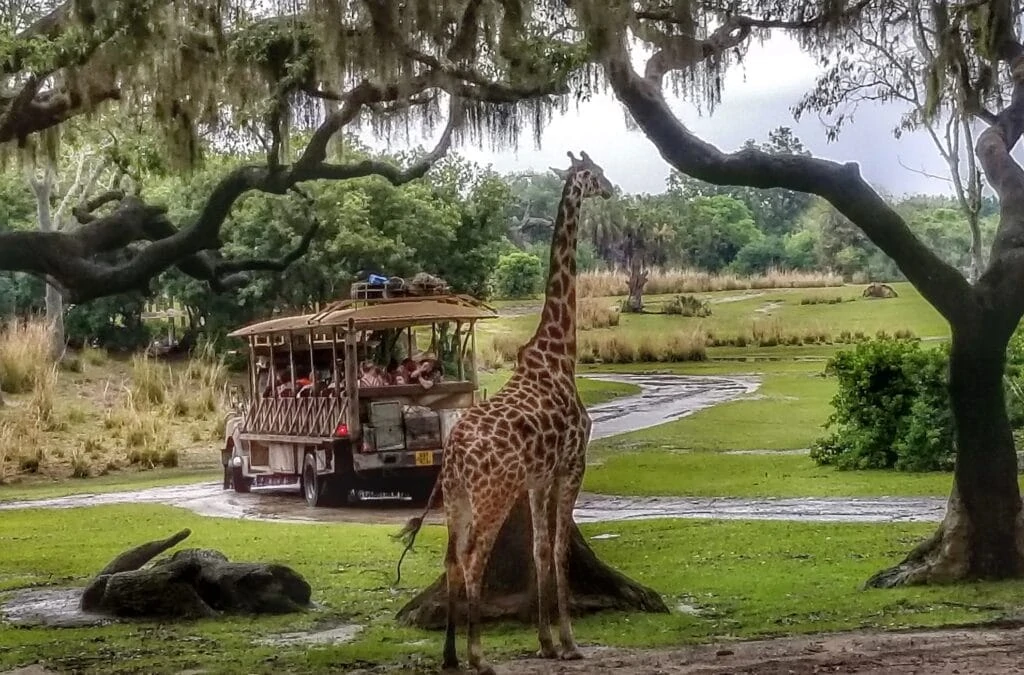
662 398
932 652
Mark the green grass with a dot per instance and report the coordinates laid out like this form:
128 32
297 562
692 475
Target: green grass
686 458
744 579
909 311
786 412
712 474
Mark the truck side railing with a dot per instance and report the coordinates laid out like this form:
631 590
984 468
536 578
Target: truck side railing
316 417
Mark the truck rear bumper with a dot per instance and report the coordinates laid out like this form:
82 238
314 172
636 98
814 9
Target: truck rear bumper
397 459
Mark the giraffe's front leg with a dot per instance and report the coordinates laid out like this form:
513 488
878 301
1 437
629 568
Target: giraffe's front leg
542 568
566 489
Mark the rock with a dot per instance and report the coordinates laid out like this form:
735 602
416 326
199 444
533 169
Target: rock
877 290
192 583
1020 461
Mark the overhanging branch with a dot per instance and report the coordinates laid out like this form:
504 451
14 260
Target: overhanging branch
69 259
840 184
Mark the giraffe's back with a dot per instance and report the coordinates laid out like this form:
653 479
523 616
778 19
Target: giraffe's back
526 434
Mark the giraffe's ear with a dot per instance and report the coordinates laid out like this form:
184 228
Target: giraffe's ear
561 173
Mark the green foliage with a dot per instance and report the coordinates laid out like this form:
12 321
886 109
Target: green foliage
113 323
891 410
518 275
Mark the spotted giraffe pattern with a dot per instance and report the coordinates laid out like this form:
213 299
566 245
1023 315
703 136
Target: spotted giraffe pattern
529 437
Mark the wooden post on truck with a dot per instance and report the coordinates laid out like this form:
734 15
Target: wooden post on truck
352 380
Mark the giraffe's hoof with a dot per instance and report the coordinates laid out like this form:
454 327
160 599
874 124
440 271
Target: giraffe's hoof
571 654
547 652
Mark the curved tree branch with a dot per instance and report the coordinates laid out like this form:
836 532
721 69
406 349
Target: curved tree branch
69 259
840 184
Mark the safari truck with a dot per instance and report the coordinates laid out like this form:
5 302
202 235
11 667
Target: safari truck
359 396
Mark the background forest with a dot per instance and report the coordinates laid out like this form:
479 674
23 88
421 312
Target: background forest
486 233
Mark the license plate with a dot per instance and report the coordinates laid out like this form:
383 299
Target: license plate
424 458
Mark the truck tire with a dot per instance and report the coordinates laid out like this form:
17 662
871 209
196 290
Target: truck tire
239 482
316 490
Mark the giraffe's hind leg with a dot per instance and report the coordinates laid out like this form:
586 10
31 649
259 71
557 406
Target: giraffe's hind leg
483 533
453 575
457 515
565 491
542 567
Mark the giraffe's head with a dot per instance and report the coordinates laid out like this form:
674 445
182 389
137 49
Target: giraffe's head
589 173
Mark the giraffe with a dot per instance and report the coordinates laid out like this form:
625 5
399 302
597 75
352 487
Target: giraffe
531 436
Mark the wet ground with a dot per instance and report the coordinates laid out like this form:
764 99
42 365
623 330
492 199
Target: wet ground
936 652
662 398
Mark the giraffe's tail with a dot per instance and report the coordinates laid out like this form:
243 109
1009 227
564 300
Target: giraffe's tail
408 533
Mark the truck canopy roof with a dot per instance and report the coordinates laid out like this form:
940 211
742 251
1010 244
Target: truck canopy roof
375 315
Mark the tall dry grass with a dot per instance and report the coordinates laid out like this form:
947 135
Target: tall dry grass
592 313
682 281
24 355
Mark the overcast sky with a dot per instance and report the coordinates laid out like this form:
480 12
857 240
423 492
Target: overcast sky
756 99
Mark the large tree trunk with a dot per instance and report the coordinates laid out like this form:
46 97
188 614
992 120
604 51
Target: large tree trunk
43 190
55 320
982 534
637 282
510 582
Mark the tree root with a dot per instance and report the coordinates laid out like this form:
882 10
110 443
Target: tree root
510 583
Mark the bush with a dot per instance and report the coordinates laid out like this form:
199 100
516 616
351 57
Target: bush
518 275
592 313
891 410
686 305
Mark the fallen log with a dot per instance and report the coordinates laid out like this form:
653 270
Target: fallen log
192 583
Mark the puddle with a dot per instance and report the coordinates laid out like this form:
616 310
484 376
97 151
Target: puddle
332 636
603 508
768 307
57 607
662 398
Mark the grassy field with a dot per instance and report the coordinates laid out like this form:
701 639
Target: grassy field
722 580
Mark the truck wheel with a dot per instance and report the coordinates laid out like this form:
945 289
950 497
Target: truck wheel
314 487
238 480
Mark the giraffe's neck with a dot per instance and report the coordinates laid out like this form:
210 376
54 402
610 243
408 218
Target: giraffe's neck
558 318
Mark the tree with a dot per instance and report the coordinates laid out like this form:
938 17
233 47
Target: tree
885 66
775 211
646 234
46 188
978 54
211 69
322 64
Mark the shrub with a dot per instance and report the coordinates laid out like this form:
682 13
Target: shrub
891 410
518 275
686 305
592 313
822 300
